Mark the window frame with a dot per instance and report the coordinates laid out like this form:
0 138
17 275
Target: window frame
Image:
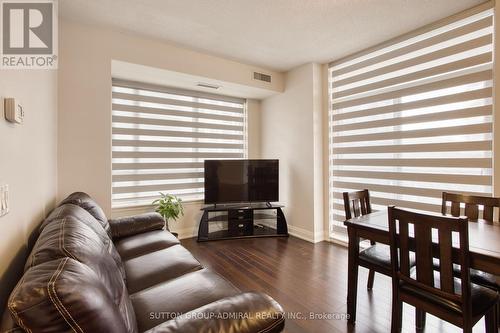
193 95
336 230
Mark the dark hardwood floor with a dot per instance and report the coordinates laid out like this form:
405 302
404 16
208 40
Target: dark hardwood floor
308 278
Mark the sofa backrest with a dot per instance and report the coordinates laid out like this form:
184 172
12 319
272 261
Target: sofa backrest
86 202
68 237
86 218
64 295
78 242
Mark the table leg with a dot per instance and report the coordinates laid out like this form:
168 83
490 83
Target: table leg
352 279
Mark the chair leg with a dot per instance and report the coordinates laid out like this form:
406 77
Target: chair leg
352 275
371 277
419 319
467 325
490 320
467 329
498 314
397 316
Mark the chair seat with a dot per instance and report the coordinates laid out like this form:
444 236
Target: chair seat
483 278
476 276
482 298
380 255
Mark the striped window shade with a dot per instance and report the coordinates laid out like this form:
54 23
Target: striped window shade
161 137
412 117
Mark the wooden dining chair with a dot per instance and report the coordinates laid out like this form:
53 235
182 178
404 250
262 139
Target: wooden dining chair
472 210
453 299
376 258
471 203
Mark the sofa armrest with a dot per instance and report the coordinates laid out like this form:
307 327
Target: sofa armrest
133 225
250 312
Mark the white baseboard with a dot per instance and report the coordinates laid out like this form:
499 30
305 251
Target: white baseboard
189 232
306 234
301 233
339 241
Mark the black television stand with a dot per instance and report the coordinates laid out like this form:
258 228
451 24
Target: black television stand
242 221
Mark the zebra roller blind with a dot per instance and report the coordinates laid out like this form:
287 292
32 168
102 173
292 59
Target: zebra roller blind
413 117
161 137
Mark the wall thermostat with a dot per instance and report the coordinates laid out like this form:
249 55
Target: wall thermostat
13 111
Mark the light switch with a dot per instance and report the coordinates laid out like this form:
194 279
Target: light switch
4 199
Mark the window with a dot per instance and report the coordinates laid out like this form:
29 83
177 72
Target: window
413 117
161 136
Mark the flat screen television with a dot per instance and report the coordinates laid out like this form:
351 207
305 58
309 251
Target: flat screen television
231 181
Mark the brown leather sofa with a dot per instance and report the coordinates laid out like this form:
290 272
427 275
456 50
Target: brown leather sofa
88 274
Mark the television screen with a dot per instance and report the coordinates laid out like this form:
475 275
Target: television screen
229 181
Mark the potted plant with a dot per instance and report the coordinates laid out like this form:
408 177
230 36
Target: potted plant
170 207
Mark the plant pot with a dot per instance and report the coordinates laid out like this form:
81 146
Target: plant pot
168 229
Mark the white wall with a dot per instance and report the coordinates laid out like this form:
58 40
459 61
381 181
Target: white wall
292 132
28 164
84 106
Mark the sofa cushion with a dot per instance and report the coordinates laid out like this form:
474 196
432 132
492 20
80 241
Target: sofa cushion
159 266
144 243
86 202
183 294
83 216
64 295
251 304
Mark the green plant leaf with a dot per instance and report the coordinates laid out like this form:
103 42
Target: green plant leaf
169 206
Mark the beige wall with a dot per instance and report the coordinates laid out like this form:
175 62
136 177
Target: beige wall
254 117
292 132
28 164
84 106
318 149
326 157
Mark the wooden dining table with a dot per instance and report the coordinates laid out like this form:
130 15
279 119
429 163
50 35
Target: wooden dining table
484 247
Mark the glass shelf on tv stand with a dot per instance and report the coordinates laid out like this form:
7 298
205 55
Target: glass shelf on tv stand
254 206
242 220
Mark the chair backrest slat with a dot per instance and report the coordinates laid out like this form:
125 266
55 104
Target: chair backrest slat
488 213
446 261
405 249
356 204
472 203
432 236
355 208
472 211
455 208
423 253
364 209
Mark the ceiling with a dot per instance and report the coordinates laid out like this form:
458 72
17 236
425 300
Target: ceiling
275 34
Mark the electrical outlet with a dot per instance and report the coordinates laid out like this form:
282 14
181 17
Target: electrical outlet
4 199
